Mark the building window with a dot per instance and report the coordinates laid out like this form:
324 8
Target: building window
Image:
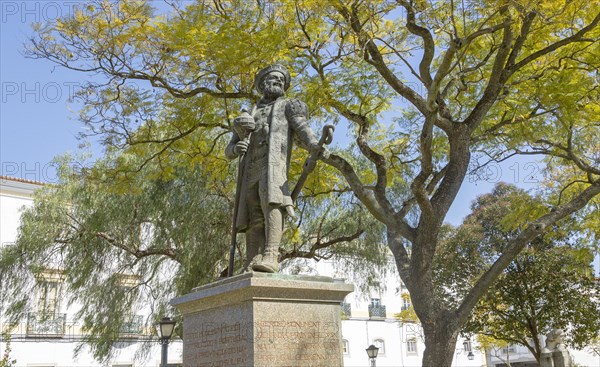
509 349
133 324
411 346
46 320
345 347
346 309
405 302
467 346
379 343
376 309
48 297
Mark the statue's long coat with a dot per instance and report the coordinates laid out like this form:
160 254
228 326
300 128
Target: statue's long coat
287 121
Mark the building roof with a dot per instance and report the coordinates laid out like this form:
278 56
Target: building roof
19 186
22 180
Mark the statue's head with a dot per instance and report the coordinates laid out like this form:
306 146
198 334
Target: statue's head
272 81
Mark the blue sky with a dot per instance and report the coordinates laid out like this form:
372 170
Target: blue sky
38 122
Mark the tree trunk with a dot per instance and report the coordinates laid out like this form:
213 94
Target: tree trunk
440 326
440 343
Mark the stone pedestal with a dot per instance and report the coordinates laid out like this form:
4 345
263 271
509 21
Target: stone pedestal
263 320
554 353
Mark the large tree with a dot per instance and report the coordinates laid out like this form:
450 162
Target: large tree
549 285
426 88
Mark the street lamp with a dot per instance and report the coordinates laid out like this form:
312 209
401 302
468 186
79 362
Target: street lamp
372 353
471 356
165 329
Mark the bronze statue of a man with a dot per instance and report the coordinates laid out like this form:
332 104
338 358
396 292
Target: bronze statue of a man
264 195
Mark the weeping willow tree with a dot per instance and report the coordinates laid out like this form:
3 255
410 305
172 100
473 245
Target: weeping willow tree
425 89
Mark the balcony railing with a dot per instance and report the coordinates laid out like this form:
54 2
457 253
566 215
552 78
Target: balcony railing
376 311
133 326
346 309
46 324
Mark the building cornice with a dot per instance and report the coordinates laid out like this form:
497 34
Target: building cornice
19 186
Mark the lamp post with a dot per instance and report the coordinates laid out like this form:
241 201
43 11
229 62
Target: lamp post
165 329
471 356
372 353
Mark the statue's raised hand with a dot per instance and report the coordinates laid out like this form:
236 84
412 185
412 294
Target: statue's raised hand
241 147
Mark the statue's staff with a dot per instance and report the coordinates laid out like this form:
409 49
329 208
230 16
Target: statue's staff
311 161
243 126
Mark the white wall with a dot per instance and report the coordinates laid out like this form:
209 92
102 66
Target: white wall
12 201
60 353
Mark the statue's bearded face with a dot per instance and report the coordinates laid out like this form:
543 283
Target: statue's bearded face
273 85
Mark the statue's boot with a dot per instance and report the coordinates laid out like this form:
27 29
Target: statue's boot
269 263
256 259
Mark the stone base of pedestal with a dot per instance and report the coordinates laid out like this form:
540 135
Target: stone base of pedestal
263 320
562 358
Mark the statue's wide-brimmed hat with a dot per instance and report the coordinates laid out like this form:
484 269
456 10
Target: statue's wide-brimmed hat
271 68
